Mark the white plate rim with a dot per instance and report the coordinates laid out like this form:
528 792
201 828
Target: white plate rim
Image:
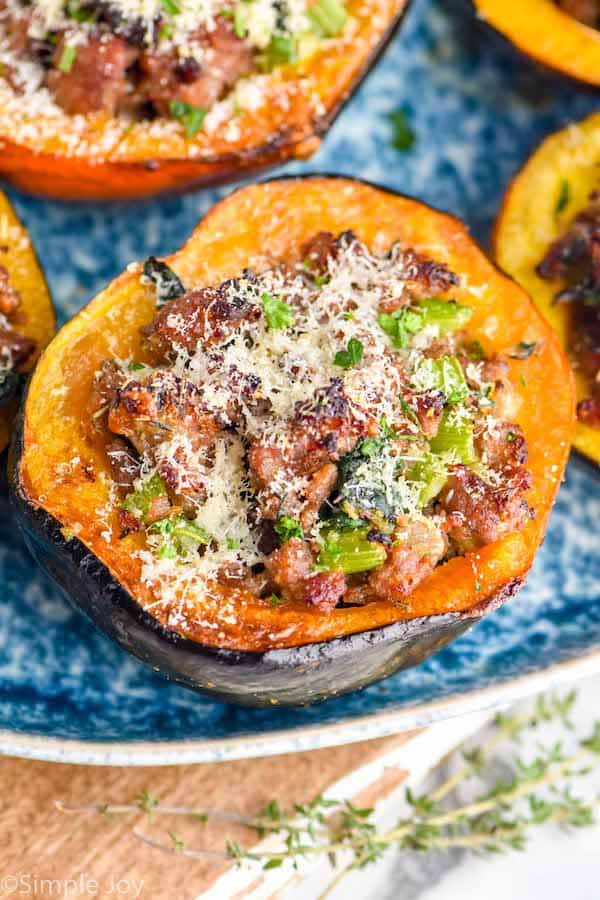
310 737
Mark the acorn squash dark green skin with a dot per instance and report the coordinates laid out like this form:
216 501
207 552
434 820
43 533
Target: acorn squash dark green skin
289 677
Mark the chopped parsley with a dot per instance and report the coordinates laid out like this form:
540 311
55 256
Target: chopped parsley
400 325
564 197
475 350
178 536
166 32
139 501
403 136
351 356
171 7
287 528
189 116
277 313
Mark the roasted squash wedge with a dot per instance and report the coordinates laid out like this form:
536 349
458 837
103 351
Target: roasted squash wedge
553 186
100 157
264 653
34 317
547 34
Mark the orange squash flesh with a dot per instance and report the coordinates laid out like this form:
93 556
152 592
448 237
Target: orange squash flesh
543 31
279 217
98 157
36 312
530 220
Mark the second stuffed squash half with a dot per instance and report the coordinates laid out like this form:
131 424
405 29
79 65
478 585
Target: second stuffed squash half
303 452
128 100
547 237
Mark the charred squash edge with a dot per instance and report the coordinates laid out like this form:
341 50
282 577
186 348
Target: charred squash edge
547 34
19 259
352 647
76 177
528 222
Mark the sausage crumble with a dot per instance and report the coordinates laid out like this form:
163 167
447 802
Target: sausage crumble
144 59
574 260
321 432
15 348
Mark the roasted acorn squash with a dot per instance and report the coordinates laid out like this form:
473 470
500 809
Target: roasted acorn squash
552 187
544 32
98 157
35 314
292 654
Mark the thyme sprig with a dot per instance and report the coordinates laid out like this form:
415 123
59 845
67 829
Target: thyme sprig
536 791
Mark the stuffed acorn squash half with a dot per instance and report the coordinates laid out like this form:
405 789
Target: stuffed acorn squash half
302 453
129 99
26 313
561 34
547 237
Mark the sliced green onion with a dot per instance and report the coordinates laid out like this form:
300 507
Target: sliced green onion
351 552
431 473
455 436
282 49
443 374
327 17
448 315
139 501
76 10
240 21
67 58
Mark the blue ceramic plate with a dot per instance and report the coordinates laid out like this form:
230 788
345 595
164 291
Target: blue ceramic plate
66 692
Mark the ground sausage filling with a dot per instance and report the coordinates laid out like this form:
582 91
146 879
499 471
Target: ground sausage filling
574 259
586 11
149 58
322 432
15 348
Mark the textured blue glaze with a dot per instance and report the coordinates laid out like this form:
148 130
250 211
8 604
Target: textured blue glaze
478 110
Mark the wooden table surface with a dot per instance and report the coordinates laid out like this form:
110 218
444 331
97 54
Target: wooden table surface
46 852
